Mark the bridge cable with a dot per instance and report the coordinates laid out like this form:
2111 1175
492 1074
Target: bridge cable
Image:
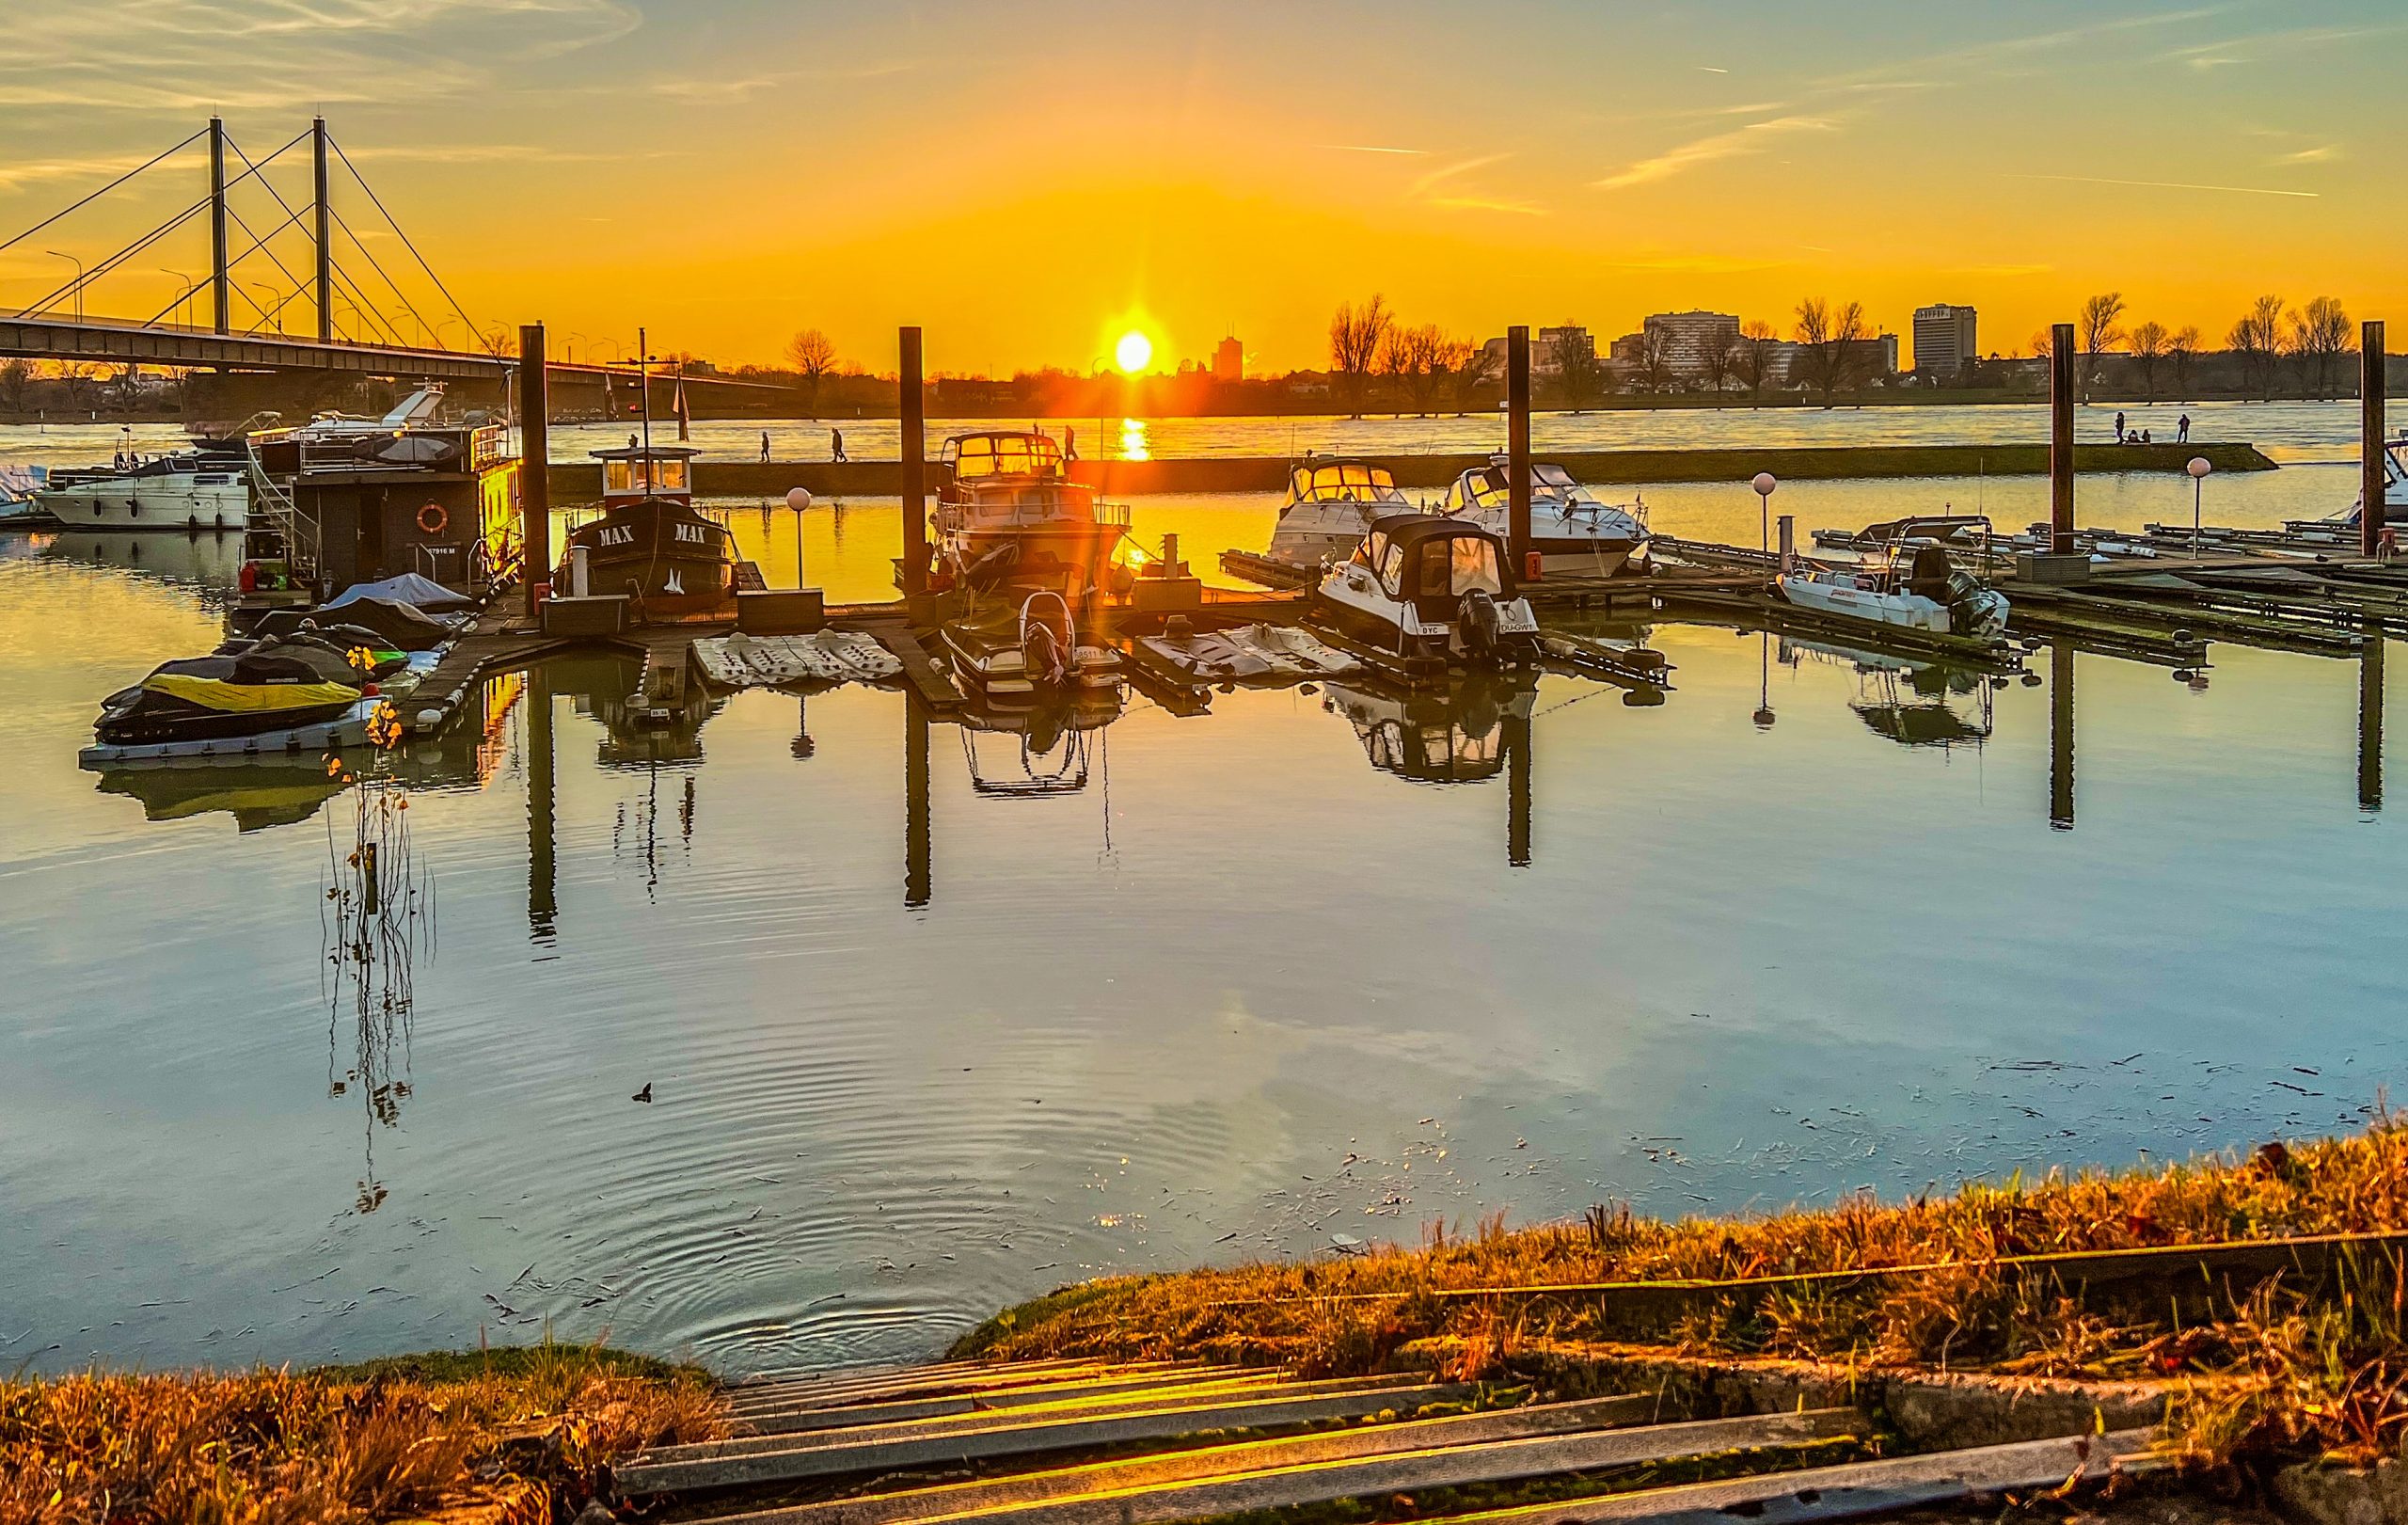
102 191
404 237
378 265
93 272
259 245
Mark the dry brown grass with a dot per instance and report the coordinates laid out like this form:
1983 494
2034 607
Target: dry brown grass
518 1435
2322 1366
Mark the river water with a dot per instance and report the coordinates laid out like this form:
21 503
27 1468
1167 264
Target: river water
1186 988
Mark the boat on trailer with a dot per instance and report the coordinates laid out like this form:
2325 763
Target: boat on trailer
1430 591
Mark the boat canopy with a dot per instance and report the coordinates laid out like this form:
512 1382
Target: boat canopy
1430 557
1003 453
1326 482
1484 486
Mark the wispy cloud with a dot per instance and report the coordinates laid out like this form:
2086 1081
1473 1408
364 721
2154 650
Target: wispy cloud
1755 137
719 89
1422 185
1485 203
1373 148
2178 186
2245 48
2314 153
1709 69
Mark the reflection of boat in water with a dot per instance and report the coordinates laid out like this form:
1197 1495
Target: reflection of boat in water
1913 704
1429 590
636 735
1008 514
1456 735
1056 743
1911 587
207 559
1329 505
1572 530
255 794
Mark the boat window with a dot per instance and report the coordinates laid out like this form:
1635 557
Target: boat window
1473 567
671 475
1373 549
1007 455
1552 476
618 476
1392 566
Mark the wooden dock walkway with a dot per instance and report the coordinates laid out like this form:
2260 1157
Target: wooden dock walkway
1073 1442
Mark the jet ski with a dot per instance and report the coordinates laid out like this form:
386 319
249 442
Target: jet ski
199 698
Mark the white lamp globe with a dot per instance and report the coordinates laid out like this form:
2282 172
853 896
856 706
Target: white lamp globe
799 499
1764 484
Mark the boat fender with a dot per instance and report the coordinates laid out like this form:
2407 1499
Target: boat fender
433 520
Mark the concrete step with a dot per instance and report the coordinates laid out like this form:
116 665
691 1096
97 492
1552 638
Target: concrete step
841 1453
1138 1472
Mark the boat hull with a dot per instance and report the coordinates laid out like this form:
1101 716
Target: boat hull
176 501
669 560
1031 555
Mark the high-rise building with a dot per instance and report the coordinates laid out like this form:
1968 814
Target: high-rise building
1691 340
1944 344
1228 360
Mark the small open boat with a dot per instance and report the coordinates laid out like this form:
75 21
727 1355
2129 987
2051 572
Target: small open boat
1910 587
1019 656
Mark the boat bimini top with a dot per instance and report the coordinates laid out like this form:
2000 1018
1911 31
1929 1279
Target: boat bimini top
1342 482
1003 453
1434 561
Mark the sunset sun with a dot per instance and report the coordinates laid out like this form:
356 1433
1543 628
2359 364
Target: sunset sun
1133 353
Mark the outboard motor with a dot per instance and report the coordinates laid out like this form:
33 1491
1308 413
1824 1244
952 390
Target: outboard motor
1483 628
1973 609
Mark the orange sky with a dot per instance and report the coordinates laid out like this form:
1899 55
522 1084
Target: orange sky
1026 179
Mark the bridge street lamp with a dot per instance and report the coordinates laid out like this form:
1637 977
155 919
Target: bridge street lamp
184 301
79 280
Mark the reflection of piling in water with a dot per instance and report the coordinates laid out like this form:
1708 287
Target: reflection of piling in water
916 873
1517 790
543 906
2372 486
2371 723
2061 736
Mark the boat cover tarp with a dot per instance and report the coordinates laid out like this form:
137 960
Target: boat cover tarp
409 588
404 627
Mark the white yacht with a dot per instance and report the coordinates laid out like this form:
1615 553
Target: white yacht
1330 504
1571 529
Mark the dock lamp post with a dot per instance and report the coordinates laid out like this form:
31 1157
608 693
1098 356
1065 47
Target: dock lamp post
1764 484
2198 469
798 499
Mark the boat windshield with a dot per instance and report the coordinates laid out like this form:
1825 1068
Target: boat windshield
1343 483
1470 566
993 455
1488 487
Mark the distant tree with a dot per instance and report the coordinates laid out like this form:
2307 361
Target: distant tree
1720 364
2181 348
16 378
1829 336
2320 335
2148 347
498 341
76 377
1415 358
1573 356
1356 336
1753 356
1457 367
2257 337
2098 328
813 355
1653 372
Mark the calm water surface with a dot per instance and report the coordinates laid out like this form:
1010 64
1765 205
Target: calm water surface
1201 988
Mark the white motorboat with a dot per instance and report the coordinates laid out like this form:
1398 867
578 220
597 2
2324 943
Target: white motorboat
1910 587
1572 530
208 488
2343 527
1008 514
1017 658
20 487
1430 590
1330 504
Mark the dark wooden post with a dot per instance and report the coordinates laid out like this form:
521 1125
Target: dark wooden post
1517 447
543 900
2061 439
2371 437
918 876
325 249
915 454
2061 736
217 284
2370 720
534 460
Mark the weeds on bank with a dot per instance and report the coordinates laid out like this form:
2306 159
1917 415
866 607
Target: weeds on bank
519 1435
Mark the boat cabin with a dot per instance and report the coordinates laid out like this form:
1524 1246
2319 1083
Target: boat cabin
635 472
1003 453
1433 562
1490 488
1342 482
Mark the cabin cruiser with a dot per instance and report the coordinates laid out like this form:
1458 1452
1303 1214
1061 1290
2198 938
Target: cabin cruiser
205 489
2344 526
1329 505
650 543
1571 531
1428 588
1007 656
1008 514
1911 587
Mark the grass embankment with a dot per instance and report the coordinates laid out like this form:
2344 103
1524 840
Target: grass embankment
2281 1365
508 1436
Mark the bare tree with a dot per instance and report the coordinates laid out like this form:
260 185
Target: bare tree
498 341
77 376
1720 364
2098 328
1655 358
1830 336
1753 356
1414 357
16 378
1355 338
2257 337
1580 375
813 355
1467 368
2148 347
2181 348
2320 337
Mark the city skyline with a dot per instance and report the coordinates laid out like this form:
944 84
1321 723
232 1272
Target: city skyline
1030 185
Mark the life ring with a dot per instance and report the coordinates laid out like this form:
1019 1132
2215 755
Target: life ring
433 520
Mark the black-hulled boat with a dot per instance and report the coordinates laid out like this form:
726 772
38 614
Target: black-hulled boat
208 698
650 543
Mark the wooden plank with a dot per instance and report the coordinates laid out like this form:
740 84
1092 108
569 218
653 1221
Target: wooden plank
1215 1461
711 1465
1125 1396
1852 1490
914 1385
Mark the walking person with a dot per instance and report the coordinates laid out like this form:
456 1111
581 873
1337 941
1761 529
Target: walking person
2119 426
836 444
1069 443
2182 430
765 446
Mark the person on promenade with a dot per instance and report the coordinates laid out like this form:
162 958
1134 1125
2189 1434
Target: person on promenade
836 444
765 446
2182 430
2119 425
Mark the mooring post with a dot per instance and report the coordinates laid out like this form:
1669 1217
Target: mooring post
914 452
2061 439
2371 719
217 284
543 901
1517 790
534 462
2371 483
325 250
2061 736
1517 449
917 873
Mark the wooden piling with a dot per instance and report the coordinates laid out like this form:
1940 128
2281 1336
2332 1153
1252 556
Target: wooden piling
2061 439
915 454
534 455
2371 483
1517 448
